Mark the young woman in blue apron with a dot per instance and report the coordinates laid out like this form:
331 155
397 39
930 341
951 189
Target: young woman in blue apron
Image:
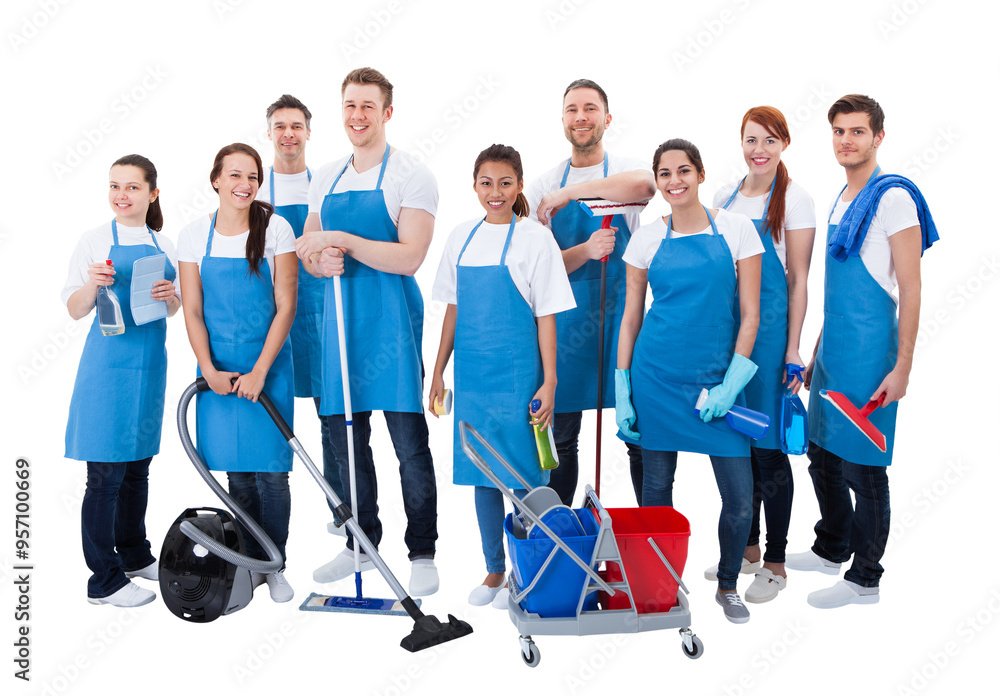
238 321
116 414
686 343
503 282
784 216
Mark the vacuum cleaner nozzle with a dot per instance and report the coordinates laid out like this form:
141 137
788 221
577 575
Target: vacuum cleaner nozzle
428 631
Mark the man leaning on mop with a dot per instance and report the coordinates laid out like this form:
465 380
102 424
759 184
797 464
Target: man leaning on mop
371 218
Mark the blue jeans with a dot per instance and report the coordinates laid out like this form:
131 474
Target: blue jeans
265 496
735 481
113 523
409 435
490 515
843 529
563 479
331 470
772 486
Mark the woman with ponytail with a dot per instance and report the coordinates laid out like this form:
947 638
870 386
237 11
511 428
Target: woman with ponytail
116 414
503 279
239 270
785 218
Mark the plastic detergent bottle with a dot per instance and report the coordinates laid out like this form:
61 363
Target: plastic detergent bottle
794 426
544 442
109 311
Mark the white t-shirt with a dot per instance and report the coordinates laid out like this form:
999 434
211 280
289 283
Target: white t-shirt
800 213
738 231
533 258
279 239
289 189
550 181
896 212
95 245
407 184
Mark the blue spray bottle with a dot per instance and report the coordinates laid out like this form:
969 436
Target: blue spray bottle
794 424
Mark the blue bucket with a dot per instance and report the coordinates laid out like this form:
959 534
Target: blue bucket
558 590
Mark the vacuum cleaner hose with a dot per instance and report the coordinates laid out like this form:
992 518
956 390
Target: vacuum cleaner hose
190 531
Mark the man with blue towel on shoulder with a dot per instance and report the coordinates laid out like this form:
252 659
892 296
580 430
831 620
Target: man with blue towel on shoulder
879 227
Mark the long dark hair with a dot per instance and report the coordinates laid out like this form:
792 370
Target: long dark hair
773 121
685 146
260 212
154 215
505 154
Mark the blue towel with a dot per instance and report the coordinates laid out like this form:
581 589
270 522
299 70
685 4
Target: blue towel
853 227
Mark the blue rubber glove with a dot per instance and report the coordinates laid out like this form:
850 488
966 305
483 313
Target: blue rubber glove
721 398
624 412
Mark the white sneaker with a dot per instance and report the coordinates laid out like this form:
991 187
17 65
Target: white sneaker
129 596
809 560
337 530
843 593
150 572
746 568
424 579
765 587
341 567
502 599
483 595
280 590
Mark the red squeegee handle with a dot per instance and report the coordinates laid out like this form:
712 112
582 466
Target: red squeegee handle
872 405
606 225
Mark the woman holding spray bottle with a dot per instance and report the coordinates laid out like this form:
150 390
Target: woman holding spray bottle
116 414
693 260
783 213
504 280
240 273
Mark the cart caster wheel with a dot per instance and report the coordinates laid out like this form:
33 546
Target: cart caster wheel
697 648
533 657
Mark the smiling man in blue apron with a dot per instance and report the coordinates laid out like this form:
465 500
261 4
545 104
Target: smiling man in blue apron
371 218
590 172
286 187
878 228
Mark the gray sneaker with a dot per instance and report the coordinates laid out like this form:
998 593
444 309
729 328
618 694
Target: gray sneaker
733 606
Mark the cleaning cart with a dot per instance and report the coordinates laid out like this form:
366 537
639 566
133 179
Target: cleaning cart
554 591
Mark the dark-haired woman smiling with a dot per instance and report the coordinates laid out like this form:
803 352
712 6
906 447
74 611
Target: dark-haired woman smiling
116 414
693 260
239 268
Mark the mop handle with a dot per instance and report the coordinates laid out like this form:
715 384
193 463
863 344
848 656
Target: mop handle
338 297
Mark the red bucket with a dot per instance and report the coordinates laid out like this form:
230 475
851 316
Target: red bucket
653 587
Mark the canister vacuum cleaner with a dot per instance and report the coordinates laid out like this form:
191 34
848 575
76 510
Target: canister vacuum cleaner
204 572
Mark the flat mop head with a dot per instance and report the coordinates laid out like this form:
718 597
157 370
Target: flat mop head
598 207
859 418
354 605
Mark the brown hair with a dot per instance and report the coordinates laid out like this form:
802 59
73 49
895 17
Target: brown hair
685 146
588 84
773 121
154 215
505 154
260 212
287 101
369 76
859 103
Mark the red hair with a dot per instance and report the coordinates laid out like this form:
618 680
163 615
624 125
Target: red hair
773 121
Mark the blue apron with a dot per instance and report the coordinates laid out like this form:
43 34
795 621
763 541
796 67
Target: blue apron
498 369
307 329
685 345
857 349
116 413
235 434
577 328
383 313
765 390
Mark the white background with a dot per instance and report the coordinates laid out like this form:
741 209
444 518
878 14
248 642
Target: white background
85 83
